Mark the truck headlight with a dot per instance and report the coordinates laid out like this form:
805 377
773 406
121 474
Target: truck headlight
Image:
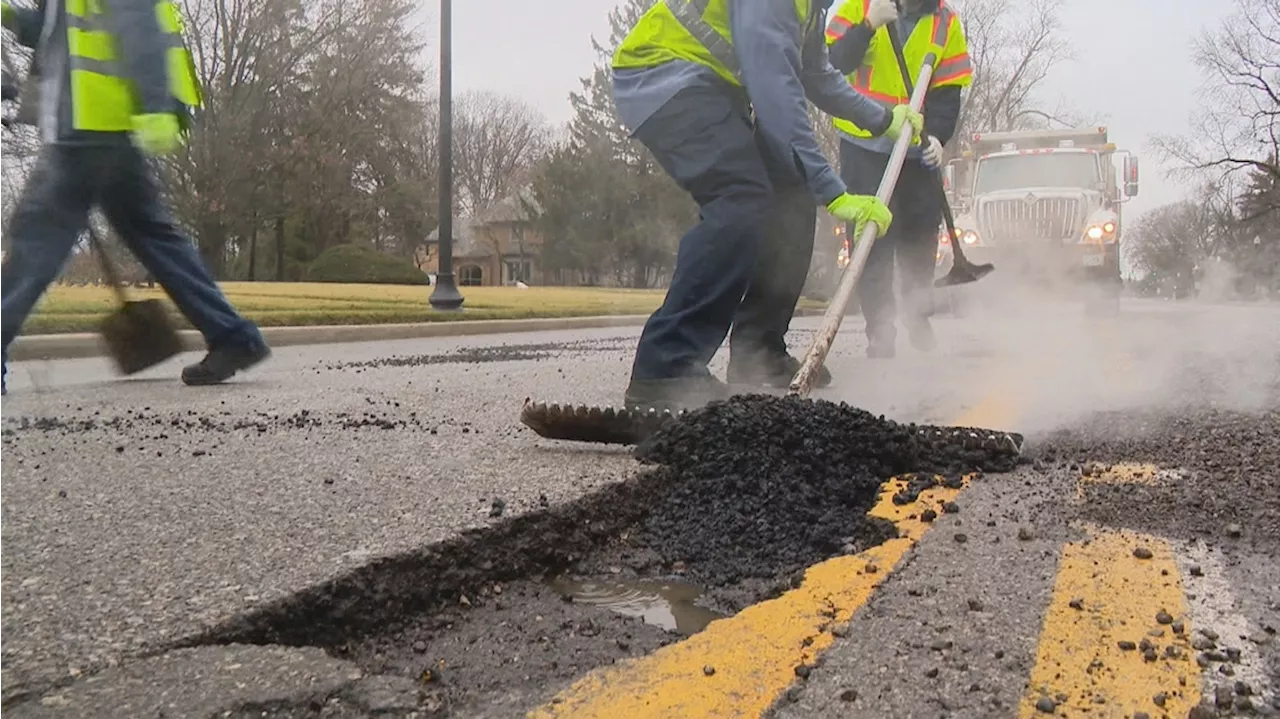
970 237
1097 233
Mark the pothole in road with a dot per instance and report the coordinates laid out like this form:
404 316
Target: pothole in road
739 499
671 605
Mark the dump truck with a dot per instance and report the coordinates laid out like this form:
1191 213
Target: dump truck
1044 207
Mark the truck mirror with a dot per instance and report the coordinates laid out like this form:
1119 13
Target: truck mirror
1130 176
949 177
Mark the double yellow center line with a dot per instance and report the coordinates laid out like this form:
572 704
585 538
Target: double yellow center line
740 665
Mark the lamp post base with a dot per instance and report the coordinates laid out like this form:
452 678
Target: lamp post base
446 296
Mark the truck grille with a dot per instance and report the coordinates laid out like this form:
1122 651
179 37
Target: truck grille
1046 219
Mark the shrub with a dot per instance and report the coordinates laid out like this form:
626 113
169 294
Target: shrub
355 264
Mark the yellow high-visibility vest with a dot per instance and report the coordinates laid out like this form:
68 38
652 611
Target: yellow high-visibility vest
879 77
102 99
692 30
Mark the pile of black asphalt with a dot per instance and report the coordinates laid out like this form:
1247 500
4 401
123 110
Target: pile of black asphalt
763 486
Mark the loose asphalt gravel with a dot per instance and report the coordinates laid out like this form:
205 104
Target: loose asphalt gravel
381 503
764 486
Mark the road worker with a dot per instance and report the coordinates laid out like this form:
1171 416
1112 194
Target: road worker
859 46
117 86
716 89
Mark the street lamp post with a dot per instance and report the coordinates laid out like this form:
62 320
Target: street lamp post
1257 264
446 296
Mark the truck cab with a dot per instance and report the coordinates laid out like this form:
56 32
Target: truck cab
1044 206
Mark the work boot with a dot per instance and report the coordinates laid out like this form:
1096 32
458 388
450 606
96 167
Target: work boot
676 394
771 370
920 333
223 362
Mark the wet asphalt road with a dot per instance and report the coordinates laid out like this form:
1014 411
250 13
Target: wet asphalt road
141 512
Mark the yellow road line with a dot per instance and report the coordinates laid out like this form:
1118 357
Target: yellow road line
738 666
1104 596
1123 473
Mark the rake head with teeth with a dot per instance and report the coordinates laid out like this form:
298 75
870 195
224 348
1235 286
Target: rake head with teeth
602 425
632 425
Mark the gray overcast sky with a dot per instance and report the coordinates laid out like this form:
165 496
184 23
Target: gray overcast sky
1132 64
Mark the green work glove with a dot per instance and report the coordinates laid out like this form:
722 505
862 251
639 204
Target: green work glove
901 115
8 15
858 209
157 134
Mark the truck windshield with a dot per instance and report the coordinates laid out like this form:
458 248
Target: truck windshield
1059 169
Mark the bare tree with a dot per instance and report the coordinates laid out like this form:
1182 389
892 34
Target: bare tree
21 142
1013 46
1238 130
1178 237
309 135
498 140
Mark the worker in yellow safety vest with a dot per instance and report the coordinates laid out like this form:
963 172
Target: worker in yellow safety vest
116 85
718 90
859 46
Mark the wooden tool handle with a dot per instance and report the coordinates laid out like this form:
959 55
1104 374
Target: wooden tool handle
802 384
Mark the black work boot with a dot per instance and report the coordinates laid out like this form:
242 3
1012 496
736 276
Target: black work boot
770 370
676 394
221 363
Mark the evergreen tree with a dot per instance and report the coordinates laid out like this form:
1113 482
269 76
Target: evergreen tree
607 208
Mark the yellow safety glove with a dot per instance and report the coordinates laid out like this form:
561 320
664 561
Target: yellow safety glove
902 115
8 15
157 134
858 209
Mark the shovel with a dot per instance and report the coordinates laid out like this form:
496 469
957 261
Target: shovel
139 334
802 383
962 270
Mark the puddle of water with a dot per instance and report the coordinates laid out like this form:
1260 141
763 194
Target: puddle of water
669 605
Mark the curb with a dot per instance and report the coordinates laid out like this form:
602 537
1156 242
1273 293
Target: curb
80 345
87 344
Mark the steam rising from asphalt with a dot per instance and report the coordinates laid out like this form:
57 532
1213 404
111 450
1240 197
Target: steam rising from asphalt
1045 364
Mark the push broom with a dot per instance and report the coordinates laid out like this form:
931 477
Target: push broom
139 333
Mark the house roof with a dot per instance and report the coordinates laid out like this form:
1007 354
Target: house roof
511 208
467 239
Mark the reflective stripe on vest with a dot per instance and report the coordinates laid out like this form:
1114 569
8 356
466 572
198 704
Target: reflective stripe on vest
689 13
694 31
862 78
102 99
883 60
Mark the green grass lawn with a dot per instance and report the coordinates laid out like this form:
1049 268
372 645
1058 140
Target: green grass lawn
272 304
292 304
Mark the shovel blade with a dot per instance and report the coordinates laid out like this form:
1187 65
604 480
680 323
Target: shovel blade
964 274
140 335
